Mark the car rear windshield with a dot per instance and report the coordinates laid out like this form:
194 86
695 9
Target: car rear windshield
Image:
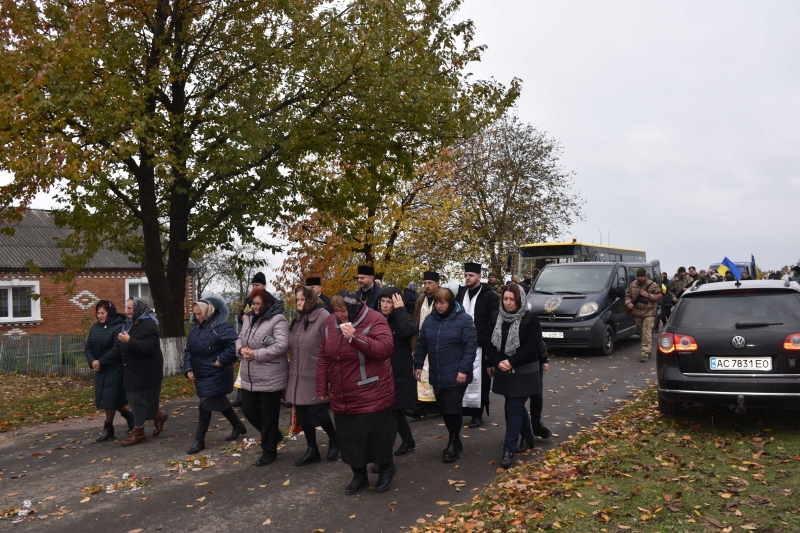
580 279
724 311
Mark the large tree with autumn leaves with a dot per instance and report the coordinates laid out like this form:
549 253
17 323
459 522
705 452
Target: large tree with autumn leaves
164 127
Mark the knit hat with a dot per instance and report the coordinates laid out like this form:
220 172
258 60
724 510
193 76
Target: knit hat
641 272
260 278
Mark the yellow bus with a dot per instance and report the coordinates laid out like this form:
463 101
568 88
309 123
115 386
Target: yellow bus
533 257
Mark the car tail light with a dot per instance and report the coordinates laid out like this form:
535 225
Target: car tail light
670 342
665 343
792 342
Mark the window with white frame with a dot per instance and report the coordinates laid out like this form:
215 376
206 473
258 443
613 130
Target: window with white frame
16 301
139 288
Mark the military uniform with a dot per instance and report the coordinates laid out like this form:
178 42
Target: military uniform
644 310
497 287
678 284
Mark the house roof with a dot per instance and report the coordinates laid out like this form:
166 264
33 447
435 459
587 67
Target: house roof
35 238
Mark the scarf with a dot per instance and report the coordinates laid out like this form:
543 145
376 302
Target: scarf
353 303
206 308
141 310
512 342
312 304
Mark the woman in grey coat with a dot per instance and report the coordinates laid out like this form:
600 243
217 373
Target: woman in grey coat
104 357
305 333
264 372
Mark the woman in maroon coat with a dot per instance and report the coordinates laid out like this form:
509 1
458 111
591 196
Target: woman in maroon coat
354 373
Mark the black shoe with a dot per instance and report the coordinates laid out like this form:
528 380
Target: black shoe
197 446
236 403
376 469
237 430
265 459
508 458
311 456
108 432
286 404
128 416
415 415
333 450
450 453
358 483
475 422
542 432
459 446
404 448
525 444
385 479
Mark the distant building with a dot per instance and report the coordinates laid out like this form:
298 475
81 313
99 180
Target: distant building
110 275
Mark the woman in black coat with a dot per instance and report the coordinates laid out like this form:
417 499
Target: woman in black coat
104 357
514 354
208 361
392 306
143 368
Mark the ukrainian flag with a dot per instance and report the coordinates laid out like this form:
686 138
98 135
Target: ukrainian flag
727 265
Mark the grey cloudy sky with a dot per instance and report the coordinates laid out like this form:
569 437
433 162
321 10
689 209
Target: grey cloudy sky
680 119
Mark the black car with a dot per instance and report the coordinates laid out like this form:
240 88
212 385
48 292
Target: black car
732 344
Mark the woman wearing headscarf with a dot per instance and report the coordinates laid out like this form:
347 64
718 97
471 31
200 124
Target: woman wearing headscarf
305 335
514 354
264 371
392 305
143 368
208 361
354 372
449 339
104 357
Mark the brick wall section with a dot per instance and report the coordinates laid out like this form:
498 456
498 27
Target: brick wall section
62 316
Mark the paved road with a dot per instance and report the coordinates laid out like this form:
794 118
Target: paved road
50 464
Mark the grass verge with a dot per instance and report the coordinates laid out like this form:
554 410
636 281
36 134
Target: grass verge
640 471
27 400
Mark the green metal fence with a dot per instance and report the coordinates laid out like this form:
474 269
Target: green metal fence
59 355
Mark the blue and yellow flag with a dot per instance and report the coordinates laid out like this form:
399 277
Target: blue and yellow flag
727 265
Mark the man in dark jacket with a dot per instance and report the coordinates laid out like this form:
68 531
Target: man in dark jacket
315 284
410 295
426 400
479 301
368 292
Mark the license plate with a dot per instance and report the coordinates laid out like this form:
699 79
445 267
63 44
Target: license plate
761 364
553 334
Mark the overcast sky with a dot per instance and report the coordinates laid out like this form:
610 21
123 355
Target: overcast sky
680 119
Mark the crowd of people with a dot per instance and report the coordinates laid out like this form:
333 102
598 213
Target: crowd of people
372 357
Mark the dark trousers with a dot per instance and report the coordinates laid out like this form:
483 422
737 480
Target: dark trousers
517 422
262 410
399 424
204 420
537 401
666 312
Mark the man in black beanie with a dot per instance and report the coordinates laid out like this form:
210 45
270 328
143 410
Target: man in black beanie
426 399
367 292
315 284
479 301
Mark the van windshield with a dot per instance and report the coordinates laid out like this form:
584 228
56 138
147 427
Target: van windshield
573 279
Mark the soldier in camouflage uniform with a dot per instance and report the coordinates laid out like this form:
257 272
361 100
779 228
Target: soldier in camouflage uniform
642 299
495 284
679 284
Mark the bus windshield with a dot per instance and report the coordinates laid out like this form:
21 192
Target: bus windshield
573 279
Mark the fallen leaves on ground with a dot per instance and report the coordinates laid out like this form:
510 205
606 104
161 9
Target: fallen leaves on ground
191 464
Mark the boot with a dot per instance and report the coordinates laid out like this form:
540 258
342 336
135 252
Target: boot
311 456
525 444
385 477
450 453
128 416
266 459
236 422
160 419
108 432
376 469
541 431
333 449
405 447
137 437
359 482
197 446
475 422
508 458
459 446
